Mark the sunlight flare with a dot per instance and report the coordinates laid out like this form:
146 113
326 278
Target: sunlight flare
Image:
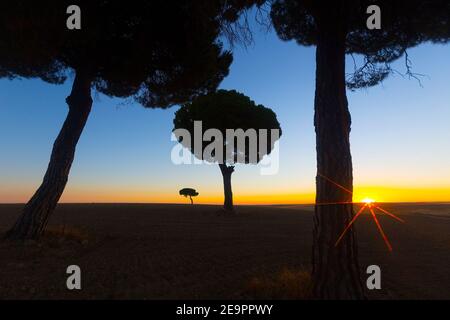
368 200
367 203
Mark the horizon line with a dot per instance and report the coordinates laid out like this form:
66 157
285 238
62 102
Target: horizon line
243 204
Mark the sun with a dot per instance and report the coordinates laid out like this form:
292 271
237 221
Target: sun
368 201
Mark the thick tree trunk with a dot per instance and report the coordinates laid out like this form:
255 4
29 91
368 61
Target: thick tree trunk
228 194
336 273
37 211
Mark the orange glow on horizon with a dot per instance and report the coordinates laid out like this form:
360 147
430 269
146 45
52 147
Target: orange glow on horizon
101 194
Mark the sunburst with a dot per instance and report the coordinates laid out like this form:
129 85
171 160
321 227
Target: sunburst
367 203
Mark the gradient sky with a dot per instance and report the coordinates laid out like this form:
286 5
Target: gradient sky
400 136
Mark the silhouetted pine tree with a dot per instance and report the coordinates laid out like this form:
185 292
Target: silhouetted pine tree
224 110
160 53
338 28
189 192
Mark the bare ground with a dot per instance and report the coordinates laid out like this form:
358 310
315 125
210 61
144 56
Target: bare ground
162 251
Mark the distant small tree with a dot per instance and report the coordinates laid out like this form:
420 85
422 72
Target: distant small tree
224 110
188 192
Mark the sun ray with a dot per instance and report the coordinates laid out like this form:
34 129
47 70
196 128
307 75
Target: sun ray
367 203
350 224
390 214
386 240
335 183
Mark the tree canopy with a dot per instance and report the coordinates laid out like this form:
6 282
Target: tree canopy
159 52
188 192
404 24
228 109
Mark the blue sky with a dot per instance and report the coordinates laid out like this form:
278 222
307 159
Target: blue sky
400 133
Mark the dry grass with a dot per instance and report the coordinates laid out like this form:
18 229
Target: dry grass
286 285
64 232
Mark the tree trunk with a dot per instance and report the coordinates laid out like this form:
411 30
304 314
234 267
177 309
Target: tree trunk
336 273
228 194
37 211
192 201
